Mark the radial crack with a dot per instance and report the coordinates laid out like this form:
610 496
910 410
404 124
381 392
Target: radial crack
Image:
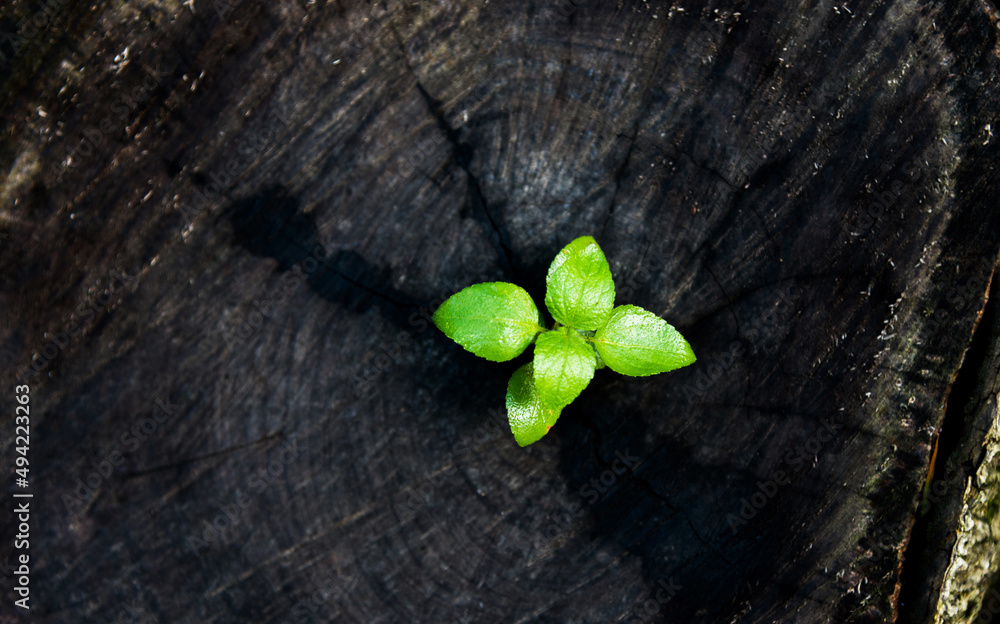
462 154
715 173
958 450
618 176
191 460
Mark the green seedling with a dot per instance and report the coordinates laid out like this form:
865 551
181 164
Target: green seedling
498 321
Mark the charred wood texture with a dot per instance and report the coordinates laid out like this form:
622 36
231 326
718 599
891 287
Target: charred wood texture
225 224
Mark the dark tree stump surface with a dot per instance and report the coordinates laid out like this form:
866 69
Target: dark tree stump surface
225 226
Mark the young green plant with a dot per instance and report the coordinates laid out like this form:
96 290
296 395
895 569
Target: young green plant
498 321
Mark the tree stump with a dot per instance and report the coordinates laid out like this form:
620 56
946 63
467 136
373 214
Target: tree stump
226 224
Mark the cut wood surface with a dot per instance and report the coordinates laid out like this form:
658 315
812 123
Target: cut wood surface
225 226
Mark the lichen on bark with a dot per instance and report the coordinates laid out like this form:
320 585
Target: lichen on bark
976 554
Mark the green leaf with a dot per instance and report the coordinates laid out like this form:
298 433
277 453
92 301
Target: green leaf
636 342
579 289
529 417
494 320
564 365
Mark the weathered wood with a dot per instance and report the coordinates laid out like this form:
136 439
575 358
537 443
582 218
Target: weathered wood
225 225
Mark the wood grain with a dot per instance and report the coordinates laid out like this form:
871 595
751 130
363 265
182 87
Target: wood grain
225 226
